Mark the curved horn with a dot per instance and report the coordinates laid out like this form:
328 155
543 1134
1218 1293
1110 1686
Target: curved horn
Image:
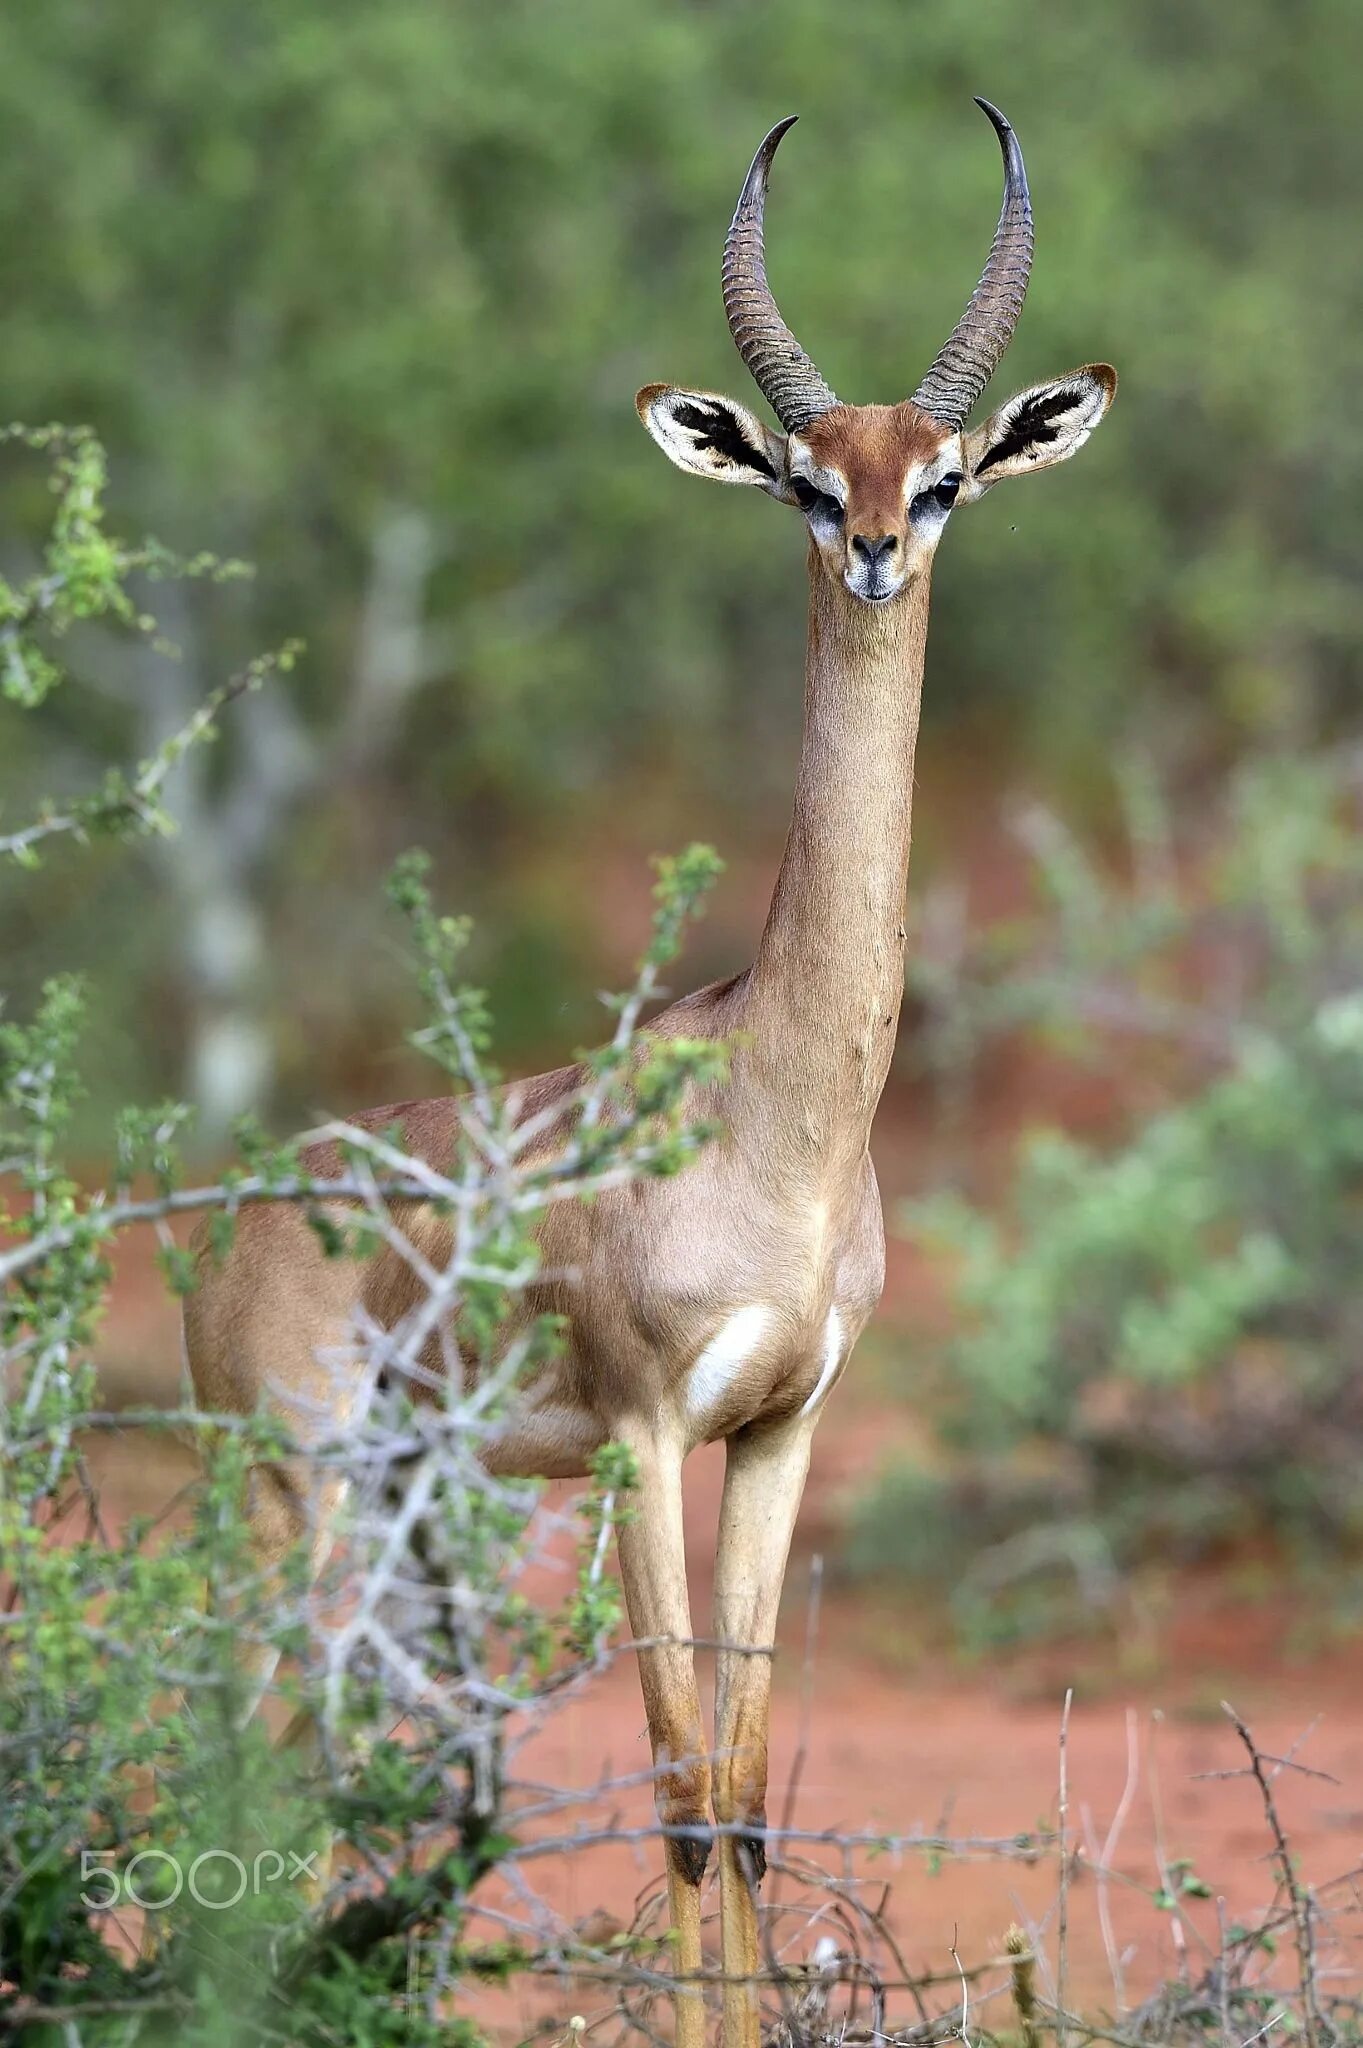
961 369
783 372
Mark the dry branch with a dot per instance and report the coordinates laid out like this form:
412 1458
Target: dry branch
1298 1895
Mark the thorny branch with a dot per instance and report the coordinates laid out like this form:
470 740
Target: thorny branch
1298 1894
134 799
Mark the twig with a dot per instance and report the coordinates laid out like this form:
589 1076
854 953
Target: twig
1299 1898
1062 1918
1223 1974
1108 1857
135 799
965 1990
1276 2020
1281 1763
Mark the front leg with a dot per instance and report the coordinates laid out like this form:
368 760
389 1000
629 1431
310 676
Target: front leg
763 1481
653 1568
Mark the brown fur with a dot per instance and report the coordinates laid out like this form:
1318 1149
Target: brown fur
874 447
881 455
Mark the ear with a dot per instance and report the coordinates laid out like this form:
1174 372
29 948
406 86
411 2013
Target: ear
712 436
1036 428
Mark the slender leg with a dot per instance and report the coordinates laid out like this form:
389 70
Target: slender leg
763 1481
653 1567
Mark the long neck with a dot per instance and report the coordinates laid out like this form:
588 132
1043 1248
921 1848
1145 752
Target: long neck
825 989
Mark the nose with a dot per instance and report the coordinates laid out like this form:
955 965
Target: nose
874 548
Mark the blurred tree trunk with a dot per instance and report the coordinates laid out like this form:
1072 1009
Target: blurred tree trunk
235 809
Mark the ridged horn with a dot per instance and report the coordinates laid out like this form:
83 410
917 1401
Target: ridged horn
963 366
784 374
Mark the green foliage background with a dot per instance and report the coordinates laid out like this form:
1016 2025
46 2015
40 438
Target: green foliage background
303 265
1152 1359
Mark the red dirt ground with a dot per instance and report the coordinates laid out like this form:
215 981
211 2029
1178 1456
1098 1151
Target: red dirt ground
940 1747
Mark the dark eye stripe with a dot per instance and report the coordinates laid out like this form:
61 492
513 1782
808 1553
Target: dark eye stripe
812 501
941 497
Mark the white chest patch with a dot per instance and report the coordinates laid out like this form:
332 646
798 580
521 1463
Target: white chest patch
832 1353
723 1358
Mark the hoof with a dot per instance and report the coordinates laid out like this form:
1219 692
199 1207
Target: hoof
690 1853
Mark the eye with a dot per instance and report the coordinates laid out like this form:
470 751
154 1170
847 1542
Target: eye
816 503
940 498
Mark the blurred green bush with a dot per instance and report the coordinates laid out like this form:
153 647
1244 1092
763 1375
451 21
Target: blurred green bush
363 293
1158 1338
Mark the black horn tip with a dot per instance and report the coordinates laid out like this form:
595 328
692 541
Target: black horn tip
1008 138
1002 125
771 142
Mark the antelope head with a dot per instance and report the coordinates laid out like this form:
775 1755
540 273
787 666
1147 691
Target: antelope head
877 483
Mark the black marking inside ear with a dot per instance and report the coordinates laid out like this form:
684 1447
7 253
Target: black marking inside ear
1036 421
713 427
